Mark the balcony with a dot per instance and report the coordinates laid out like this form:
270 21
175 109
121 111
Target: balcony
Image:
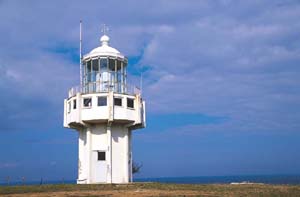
104 87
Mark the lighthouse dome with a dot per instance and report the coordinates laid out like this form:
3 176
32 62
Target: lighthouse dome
104 50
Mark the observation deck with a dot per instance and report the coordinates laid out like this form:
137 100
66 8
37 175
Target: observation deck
104 87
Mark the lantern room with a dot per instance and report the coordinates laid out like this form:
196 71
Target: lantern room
104 69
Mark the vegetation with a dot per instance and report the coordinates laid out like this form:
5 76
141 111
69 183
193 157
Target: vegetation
152 189
136 167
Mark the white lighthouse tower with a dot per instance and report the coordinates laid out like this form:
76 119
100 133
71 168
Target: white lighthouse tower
104 110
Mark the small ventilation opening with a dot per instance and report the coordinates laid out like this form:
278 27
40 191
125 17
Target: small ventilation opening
101 156
130 103
118 101
102 101
87 102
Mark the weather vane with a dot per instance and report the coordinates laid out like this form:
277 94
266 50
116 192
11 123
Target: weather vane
105 29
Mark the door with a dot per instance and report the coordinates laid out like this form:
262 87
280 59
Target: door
99 167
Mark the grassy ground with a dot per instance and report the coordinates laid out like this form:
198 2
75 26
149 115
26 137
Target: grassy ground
151 189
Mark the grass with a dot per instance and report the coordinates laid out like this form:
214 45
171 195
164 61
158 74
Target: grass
161 188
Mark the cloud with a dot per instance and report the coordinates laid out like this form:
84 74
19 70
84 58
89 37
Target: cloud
221 58
8 165
244 68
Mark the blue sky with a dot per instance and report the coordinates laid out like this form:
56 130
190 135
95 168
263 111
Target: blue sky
220 78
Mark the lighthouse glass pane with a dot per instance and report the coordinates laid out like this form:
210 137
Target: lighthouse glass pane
125 71
119 85
83 67
95 65
95 69
111 65
124 87
88 70
103 64
118 65
112 68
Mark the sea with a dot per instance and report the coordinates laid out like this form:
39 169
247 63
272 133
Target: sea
266 179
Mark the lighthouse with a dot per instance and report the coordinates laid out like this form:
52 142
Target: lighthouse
104 109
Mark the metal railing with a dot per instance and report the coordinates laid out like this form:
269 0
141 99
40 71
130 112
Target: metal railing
104 75
102 87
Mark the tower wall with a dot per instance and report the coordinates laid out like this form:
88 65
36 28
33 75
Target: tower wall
82 157
96 138
120 157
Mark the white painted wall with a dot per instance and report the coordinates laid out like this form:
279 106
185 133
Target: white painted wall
99 137
118 156
98 168
98 131
82 150
101 113
95 138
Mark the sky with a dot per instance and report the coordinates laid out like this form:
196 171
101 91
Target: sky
221 80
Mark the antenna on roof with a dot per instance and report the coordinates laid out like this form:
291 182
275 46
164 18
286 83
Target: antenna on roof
105 29
80 51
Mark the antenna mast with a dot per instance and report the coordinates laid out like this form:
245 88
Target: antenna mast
80 52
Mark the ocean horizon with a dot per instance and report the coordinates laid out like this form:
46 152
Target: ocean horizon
265 179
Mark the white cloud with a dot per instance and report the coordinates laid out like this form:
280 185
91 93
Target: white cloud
4 165
235 59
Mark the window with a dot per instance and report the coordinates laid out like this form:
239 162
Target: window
130 103
95 69
103 64
87 102
88 71
95 65
74 104
118 101
69 106
111 64
118 65
102 101
101 156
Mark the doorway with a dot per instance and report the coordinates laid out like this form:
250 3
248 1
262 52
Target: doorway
99 167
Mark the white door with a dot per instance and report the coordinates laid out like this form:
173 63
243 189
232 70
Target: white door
99 167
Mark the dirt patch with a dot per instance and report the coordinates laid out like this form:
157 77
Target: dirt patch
136 193
149 190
